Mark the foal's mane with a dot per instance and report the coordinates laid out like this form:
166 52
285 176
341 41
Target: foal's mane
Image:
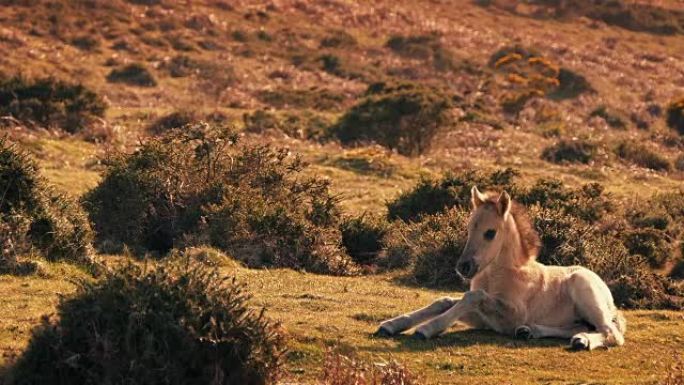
529 238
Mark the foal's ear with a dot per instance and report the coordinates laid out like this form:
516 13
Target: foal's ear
477 197
503 205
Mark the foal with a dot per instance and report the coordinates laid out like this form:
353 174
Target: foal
512 293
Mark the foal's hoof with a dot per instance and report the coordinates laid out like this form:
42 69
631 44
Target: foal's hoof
523 332
579 343
382 332
419 336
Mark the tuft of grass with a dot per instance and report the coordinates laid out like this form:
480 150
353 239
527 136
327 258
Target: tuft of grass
570 151
339 369
403 117
134 74
49 102
675 116
613 118
642 156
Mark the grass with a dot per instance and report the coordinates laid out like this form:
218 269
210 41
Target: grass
318 312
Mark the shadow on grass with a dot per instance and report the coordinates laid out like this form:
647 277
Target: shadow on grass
462 339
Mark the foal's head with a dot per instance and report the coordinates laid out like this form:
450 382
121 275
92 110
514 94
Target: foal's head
493 222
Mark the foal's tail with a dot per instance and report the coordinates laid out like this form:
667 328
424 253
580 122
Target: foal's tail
618 329
620 322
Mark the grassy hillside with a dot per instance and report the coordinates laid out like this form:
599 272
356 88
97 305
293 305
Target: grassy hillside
582 93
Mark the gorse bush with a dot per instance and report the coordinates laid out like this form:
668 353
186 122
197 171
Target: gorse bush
675 116
35 216
525 74
403 117
642 156
173 120
432 196
612 118
50 102
362 237
196 186
424 47
178 323
301 124
431 247
134 74
566 151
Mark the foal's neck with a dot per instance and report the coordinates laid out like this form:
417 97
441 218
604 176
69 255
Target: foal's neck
512 253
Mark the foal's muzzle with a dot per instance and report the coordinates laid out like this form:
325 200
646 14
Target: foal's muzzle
467 268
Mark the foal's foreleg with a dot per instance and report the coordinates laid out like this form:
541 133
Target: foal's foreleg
406 321
495 313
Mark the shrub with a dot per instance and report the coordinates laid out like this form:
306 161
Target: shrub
318 99
404 118
34 215
362 237
196 186
675 116
650 243
566 151
339 369
431 196
677 271
569 241
134 74
430 248
425 47
679 163
300 124
524 74
179 323
50 102
642 156
173 120
338 39
612 118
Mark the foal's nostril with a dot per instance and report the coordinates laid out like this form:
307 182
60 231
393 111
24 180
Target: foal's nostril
464 268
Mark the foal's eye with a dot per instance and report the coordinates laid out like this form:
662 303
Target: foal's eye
490 234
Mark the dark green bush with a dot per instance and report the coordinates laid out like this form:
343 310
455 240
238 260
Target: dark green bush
634 16
566 151
404 117
180 323
613 118
430 247
317 99
362 237
300 124
35 215
338 39
571 85
642 156
570 241
431 196
173 120
50 102
677 271
650 243
675 116
425 47
134 74
196 186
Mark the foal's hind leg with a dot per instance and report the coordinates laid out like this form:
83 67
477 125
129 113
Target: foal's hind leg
594 304
406 321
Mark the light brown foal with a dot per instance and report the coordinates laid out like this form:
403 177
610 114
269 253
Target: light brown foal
512 293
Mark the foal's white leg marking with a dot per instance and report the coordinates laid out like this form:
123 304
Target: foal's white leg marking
595 304
491 310
406 321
